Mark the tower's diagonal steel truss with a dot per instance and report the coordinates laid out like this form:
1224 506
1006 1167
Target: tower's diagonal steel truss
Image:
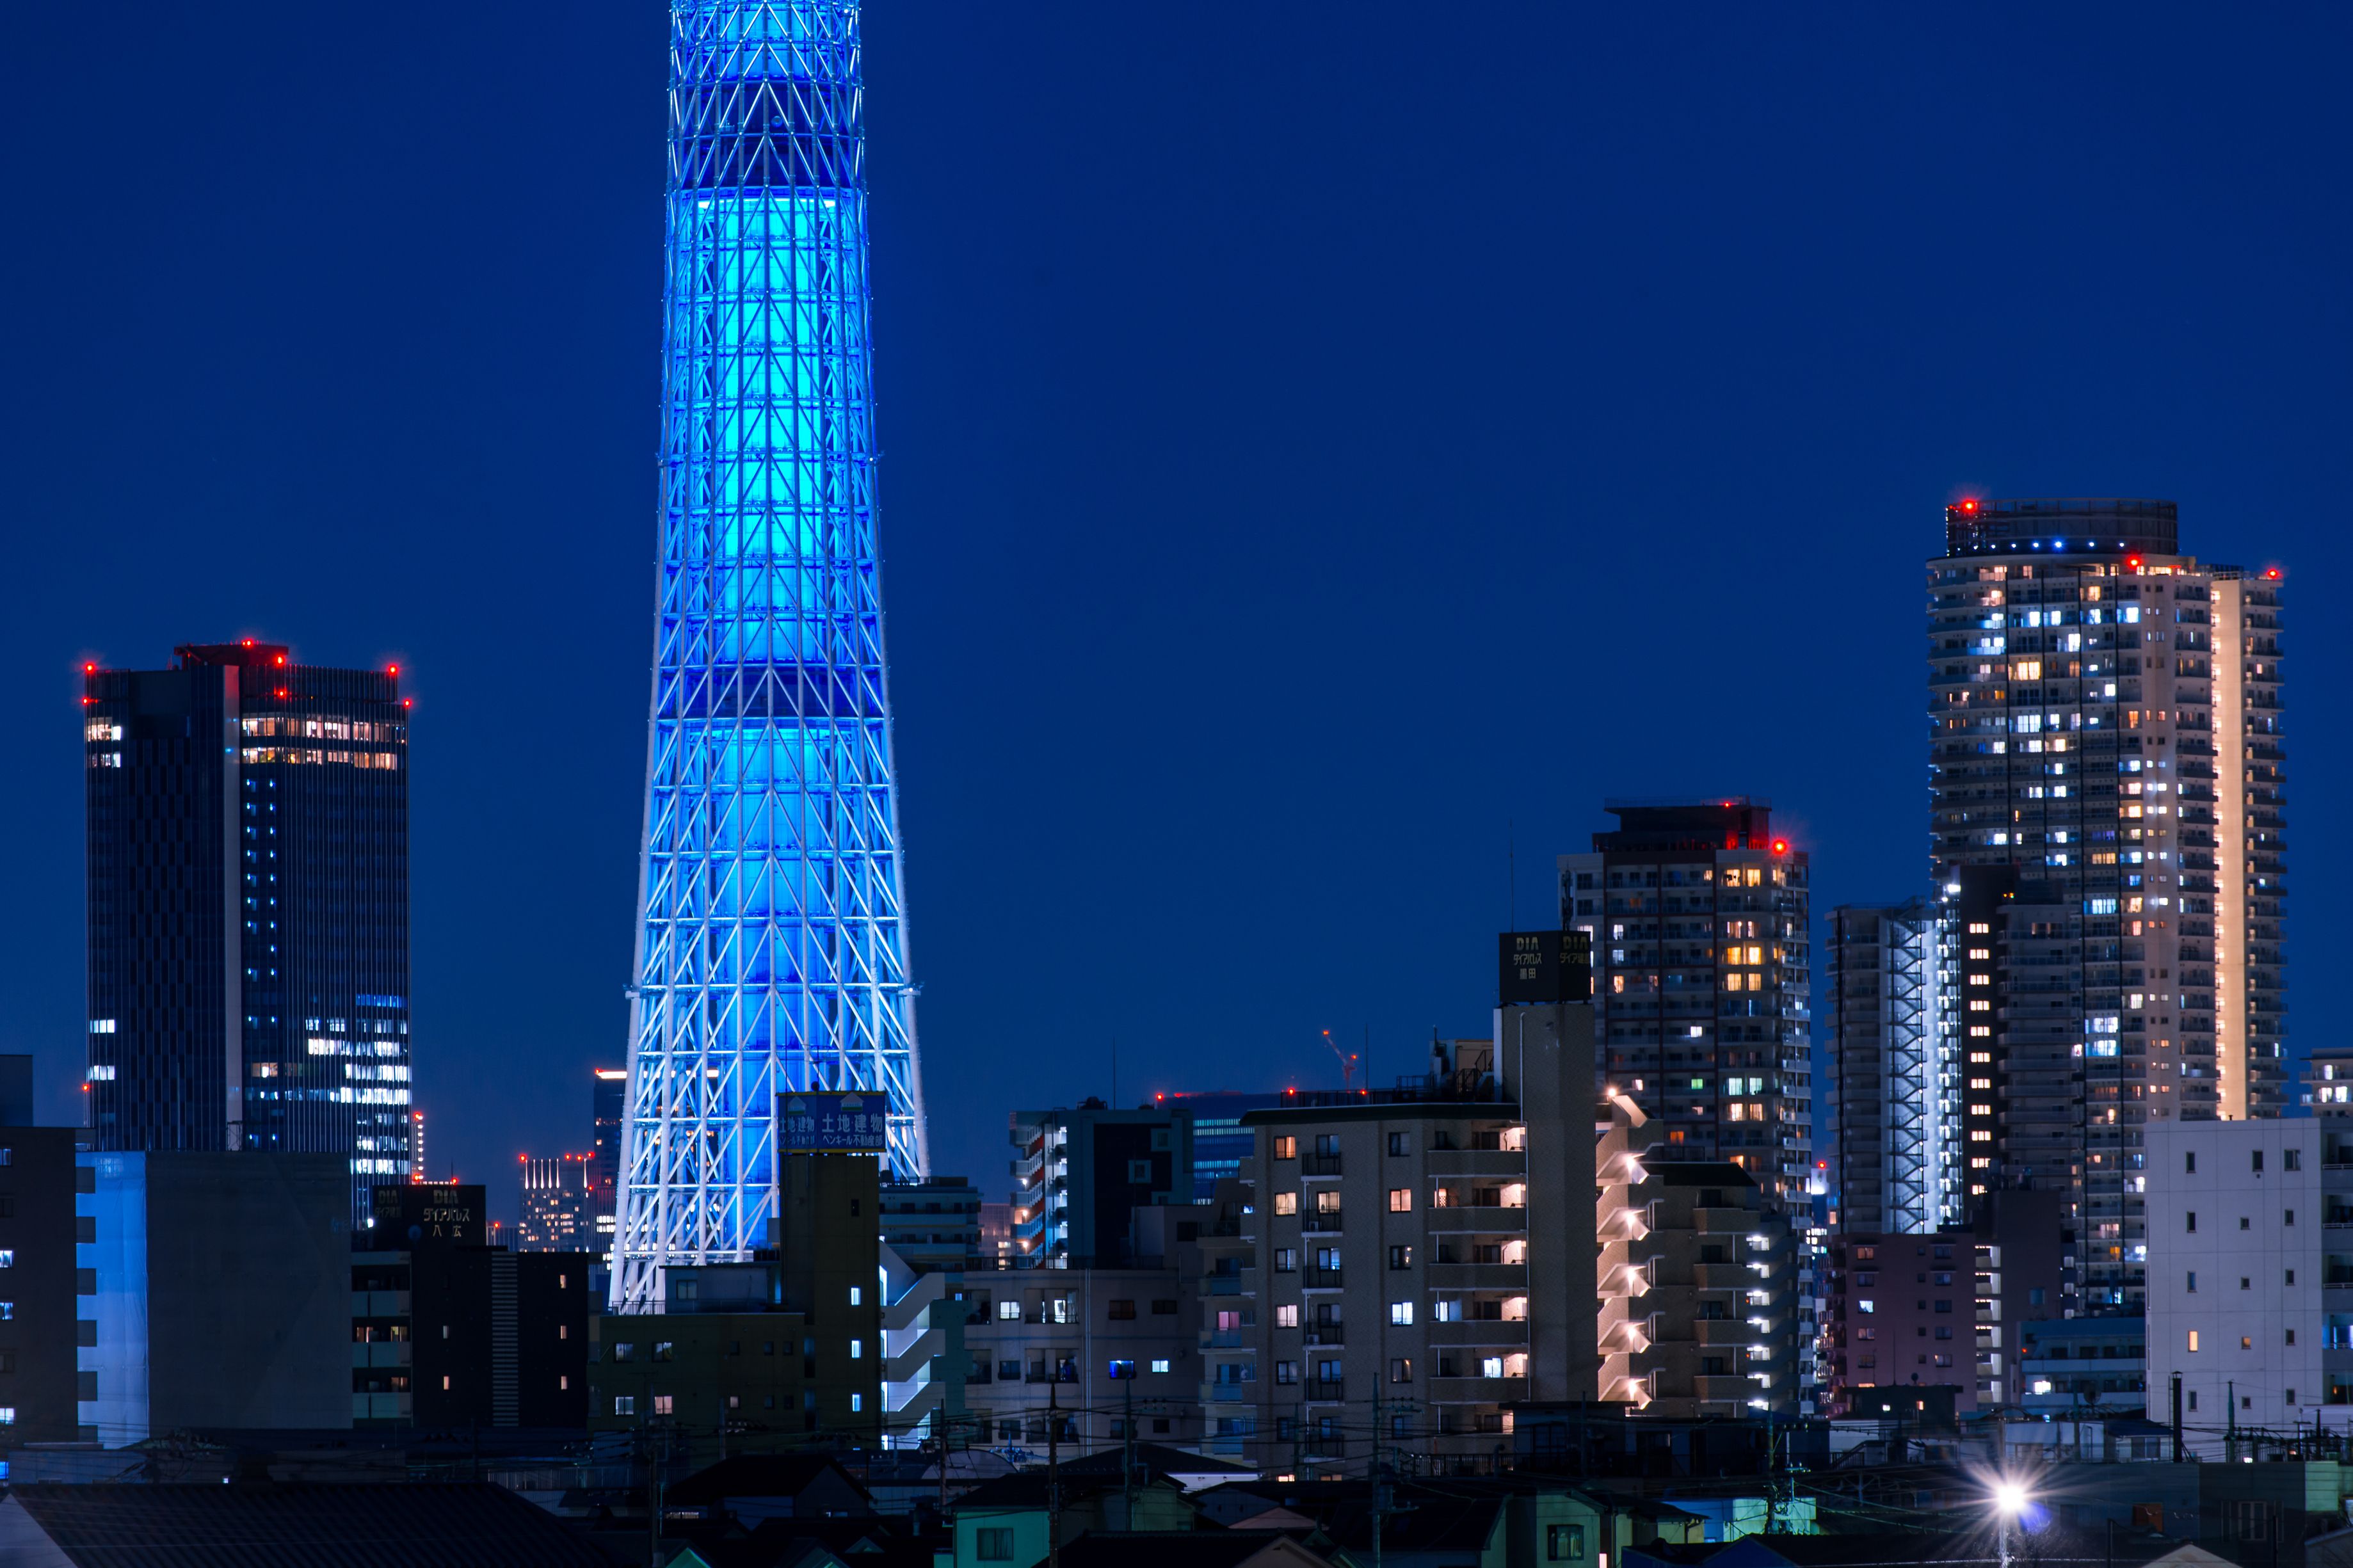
771 948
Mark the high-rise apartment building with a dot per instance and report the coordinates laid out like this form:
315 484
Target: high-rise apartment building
1697 917
772 940
558 1213
1082 1173
1894 1088
1397 1269
2107 833
249 907
608 1104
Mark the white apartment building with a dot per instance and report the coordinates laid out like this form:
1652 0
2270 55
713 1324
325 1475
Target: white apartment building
2250 1278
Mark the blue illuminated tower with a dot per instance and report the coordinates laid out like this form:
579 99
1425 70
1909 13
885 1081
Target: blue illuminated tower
772 951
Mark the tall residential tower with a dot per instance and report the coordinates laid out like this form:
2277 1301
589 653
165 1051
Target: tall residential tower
771 948
249 907
2106 829
1697 917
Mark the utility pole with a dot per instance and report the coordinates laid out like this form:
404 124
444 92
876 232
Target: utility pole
1127 1449
1380 1491
2177 1418
1053 1462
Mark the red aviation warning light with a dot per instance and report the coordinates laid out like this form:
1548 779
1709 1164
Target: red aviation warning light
2132 563
1780 846
2272 575
1969 506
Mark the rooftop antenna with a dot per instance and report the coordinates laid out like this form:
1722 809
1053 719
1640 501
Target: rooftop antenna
1512 855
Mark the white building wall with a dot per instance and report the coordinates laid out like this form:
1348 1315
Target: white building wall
2236 1305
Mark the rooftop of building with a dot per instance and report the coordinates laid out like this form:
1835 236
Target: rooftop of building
2061 525
424 1524
1700 825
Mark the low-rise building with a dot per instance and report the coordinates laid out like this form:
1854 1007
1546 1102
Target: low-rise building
1080 1353
1902 1314
448 1331
219 1291
2084 1366
39 1392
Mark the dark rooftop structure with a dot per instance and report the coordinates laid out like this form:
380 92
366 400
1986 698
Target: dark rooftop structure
469 1525
2062 525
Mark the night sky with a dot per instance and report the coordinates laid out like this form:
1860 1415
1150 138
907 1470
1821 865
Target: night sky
1324 445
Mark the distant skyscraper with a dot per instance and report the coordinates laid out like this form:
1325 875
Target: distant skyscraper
2106 828
1697 917
772 947
607 1106
558 1214
249 907
1895 1097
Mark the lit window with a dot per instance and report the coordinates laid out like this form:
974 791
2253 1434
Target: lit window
2193 1341
857 1402
1401 1314
624 1404
1400 1200
857 1348
1286 1203
1160 1366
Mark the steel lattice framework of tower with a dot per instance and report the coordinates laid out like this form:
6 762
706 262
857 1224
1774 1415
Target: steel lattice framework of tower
772 951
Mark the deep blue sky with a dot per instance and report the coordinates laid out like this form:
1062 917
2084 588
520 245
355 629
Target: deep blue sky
1317 439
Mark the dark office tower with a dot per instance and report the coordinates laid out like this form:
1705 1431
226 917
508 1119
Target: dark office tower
1894 1089
1697 918
608 1098
249 907
2106 829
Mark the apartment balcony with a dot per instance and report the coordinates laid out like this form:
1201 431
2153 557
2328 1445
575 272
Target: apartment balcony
1496 1163
1724 1277
382 1352
1477 1276
1325 1390
1319 1279
1319 1165
1225 1339
1724 1331
1507 1333
1477 1220
1477 1390
380 1303
1325 1336
1325 1224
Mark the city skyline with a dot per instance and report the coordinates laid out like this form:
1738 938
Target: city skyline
1085 620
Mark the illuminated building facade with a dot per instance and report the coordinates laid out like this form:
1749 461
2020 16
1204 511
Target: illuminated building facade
772 950
248 821
558 1205
2107 834
607 1111
1697 916
1894 1089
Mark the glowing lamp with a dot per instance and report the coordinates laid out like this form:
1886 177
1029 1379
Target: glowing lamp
1780 846
2132 563
92 669
2273 574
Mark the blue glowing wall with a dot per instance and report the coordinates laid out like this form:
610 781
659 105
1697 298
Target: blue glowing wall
772 951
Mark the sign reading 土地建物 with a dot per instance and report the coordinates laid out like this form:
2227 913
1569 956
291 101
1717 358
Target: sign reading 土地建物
831 1121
